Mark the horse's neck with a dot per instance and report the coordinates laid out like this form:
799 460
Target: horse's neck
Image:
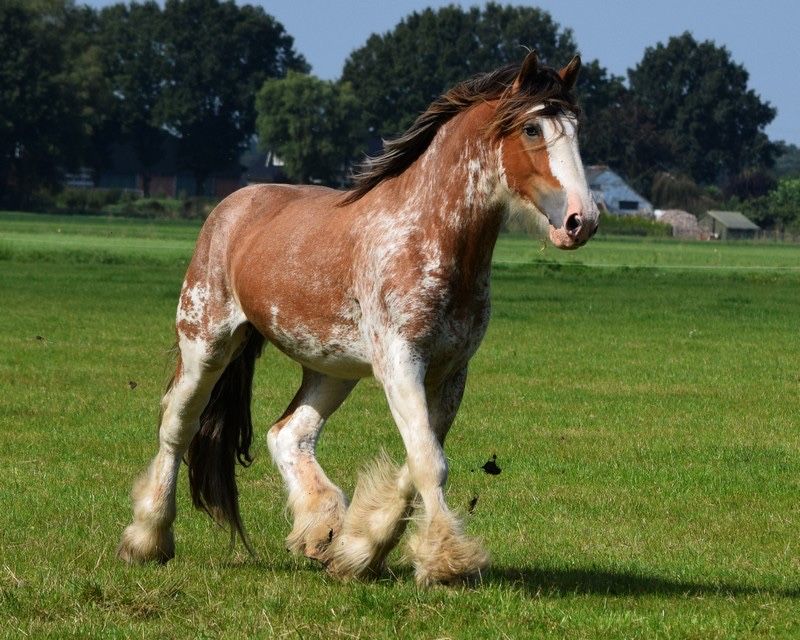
453 193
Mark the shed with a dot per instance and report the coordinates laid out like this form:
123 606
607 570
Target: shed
615 195
729 224
683 223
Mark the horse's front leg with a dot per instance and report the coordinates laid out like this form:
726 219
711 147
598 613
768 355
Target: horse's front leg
440 550
376 517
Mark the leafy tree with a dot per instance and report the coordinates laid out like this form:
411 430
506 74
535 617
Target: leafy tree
750 183
623 135
313 125
779 209
671 191
787 163
698 97
784 204
41 129
87 75
131 40
398 74
217 55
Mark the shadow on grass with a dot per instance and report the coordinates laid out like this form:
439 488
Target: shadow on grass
541 581
550 581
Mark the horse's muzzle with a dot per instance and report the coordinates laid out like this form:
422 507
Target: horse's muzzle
576 231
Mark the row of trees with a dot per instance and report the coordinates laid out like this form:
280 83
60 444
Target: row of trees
686 107
74 80
212 73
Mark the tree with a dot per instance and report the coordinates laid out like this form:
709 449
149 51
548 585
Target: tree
679 192
91 86
398 74
698 97
749 184
217 55
131 40
787 163
41 126
314 126
779 209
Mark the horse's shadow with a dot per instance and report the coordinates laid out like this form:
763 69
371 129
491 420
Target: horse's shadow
540 581
551 582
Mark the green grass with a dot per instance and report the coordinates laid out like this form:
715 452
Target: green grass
645 416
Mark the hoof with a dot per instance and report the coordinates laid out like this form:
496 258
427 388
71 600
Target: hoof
313 542
314 531
443 554
354 557
140 544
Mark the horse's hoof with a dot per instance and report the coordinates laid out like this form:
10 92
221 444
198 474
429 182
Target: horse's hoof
140 544
443 554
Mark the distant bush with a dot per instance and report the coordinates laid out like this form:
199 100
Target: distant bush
121 202
198 207
778 210
72 200
611 225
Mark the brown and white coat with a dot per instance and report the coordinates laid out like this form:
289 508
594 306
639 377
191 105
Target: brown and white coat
391 280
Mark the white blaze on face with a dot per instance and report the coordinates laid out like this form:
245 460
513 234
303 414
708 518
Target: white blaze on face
560 135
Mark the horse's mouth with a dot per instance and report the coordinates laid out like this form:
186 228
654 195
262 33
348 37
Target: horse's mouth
574 233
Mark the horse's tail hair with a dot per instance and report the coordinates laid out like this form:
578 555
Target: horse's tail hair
225 436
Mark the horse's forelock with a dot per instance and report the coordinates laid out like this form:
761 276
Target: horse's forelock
545 88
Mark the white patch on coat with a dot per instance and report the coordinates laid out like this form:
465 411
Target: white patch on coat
197 297
560 135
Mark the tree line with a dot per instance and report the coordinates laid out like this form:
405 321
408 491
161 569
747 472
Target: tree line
683 126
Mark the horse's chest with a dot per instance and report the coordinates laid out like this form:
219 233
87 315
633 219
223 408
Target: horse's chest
457 335
442 327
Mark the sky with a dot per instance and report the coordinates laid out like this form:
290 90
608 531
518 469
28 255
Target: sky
762 35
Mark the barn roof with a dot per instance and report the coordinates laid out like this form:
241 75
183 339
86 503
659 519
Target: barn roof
733 220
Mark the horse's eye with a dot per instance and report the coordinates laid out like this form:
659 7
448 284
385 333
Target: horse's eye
532 131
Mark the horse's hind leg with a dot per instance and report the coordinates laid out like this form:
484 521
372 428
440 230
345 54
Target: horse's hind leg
317 504
206 346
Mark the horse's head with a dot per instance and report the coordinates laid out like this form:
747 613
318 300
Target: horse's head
536 121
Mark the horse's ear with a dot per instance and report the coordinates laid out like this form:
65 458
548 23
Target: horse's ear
527 70
569 74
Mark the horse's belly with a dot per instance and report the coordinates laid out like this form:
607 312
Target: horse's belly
338 350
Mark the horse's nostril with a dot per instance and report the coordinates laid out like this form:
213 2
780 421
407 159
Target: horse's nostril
573 224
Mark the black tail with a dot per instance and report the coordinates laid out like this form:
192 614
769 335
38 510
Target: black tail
225 436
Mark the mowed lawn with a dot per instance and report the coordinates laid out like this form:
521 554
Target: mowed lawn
642 399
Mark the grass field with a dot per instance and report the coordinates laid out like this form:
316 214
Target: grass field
641 398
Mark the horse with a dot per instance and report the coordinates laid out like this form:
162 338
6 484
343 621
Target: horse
389 279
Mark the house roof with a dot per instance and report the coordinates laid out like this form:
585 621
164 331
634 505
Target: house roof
610 189
733 220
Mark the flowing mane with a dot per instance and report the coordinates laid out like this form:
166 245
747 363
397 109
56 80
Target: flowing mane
545 87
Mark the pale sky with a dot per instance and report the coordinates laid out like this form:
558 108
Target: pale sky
762 35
